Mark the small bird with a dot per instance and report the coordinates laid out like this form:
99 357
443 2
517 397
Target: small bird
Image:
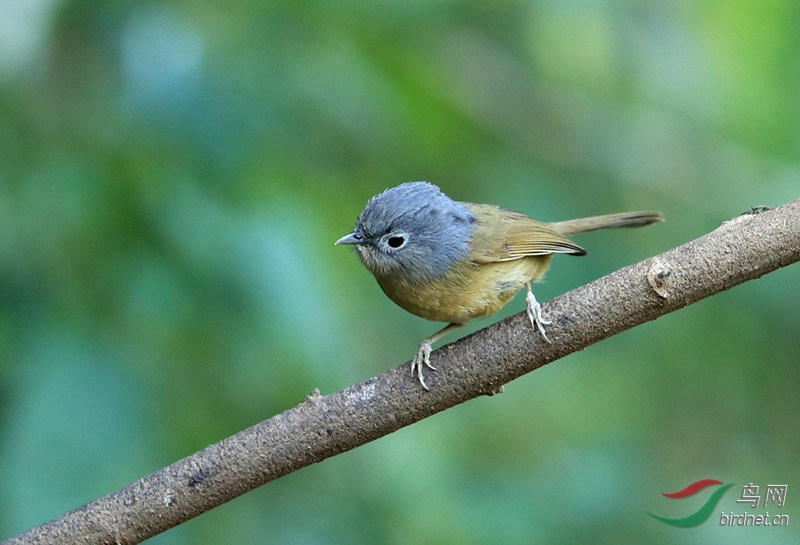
450 261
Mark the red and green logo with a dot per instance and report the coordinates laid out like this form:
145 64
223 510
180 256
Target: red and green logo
701 514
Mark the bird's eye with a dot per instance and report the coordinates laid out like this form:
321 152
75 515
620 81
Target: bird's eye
396 241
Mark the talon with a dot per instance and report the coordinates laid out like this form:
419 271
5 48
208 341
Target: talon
535 314
423 357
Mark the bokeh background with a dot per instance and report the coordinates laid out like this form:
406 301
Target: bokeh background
173 176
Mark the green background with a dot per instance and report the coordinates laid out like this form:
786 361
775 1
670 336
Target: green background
173 176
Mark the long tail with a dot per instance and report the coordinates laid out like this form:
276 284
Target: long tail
625 219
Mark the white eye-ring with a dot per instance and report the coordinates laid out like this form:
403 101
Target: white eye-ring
395 241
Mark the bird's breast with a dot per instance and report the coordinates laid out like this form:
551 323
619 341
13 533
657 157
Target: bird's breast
469 290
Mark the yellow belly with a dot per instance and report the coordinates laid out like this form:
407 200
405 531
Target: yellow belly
469 290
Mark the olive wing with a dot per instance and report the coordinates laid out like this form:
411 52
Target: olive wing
504 235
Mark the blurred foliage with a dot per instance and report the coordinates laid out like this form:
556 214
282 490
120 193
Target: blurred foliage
173 176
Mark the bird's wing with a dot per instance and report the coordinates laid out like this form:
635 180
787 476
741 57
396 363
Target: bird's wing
503 235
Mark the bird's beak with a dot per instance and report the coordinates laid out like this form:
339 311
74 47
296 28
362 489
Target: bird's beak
353 238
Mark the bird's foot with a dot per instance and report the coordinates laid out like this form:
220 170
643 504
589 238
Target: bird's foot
423 358
535 314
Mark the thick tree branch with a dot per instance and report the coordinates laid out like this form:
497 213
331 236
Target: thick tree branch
742 249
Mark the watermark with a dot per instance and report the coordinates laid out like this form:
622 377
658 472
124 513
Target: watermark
774 495
746 519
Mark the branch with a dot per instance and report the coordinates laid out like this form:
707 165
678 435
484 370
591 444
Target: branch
742 249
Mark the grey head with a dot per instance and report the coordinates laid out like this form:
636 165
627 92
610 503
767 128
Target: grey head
412 232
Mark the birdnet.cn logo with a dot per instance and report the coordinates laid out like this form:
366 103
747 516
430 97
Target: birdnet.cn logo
773 497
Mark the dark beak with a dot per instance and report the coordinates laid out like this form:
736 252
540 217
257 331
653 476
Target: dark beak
353 238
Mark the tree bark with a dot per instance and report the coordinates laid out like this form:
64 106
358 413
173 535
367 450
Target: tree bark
741 249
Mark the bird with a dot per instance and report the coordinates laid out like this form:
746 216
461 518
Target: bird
450 261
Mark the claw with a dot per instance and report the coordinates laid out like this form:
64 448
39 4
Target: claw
423 357
535 313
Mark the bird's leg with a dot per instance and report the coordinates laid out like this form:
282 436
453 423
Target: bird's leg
535 312
423 356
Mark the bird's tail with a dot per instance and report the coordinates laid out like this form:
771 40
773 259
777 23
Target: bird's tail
610 221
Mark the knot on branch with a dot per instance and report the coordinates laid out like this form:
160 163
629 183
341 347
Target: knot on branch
660 277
